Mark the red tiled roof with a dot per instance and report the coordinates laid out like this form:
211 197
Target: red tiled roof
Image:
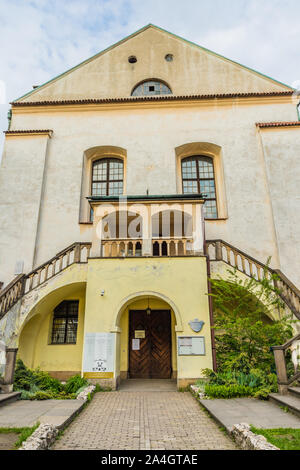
133 99
278 124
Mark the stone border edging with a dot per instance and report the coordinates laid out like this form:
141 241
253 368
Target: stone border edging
85 393
247 440
241 433
44 436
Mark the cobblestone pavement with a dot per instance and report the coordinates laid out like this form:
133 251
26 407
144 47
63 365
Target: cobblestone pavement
143 420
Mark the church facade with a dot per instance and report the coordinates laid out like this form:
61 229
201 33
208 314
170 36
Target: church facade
115 179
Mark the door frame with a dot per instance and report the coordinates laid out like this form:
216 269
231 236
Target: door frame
170 338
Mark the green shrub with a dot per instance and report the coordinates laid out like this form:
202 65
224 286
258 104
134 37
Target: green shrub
45 382
24 377
42 395
39 385
74 383
228 391
228 384
246 332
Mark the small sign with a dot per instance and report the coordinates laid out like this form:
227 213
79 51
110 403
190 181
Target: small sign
139 334
196 325
191 346
135 344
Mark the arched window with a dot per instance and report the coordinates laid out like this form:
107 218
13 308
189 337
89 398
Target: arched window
151 87
65 321
198 177
107 177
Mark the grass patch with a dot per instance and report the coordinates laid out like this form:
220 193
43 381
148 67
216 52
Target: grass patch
23 433
283 438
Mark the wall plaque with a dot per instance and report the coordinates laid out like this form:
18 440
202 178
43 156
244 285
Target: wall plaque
191 346
139 334
99 352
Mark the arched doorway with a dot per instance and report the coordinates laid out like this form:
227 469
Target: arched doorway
150 344
147 323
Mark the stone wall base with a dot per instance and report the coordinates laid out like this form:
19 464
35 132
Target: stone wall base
106 383
64 374
123 374
184 382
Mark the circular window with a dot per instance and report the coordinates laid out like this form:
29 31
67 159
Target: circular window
132 59
169 57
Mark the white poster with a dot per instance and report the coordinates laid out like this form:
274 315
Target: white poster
136 344
99 352
191 346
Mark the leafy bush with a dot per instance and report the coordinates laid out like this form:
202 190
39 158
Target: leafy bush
74 383
228 391
42 395
245 331
45 382
24 377
231 384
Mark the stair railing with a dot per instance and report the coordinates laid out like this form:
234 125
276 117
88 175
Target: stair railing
22 284
281 368
219 250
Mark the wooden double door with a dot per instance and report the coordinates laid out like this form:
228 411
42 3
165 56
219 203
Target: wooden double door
150 344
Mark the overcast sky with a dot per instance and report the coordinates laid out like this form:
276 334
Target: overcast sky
42 38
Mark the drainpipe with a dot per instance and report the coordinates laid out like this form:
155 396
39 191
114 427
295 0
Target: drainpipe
9 118
210 304
211 316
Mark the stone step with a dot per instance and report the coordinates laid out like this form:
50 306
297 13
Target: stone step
6 398
290 401
294 391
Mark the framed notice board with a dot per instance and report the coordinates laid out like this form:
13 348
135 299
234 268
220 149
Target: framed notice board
191 346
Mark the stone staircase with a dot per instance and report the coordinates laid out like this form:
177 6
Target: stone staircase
76 253
217 251
6 398
290 402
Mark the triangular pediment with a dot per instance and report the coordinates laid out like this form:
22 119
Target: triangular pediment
194 70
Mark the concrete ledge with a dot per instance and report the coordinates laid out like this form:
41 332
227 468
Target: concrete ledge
6 398
45 435
292 402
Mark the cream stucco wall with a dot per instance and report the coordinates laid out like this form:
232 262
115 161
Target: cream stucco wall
281 150
179 282
151 165
35 347
194 70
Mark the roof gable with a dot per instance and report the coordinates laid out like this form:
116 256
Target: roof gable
194 70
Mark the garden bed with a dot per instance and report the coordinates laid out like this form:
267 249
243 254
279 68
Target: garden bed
283 438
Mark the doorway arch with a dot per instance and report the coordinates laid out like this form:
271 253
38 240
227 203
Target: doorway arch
154 336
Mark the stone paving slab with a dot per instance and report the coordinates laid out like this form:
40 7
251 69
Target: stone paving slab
26 413
7 441
143 420
259 413
148 385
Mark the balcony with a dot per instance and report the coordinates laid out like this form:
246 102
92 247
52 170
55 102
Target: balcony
116 248
143 226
